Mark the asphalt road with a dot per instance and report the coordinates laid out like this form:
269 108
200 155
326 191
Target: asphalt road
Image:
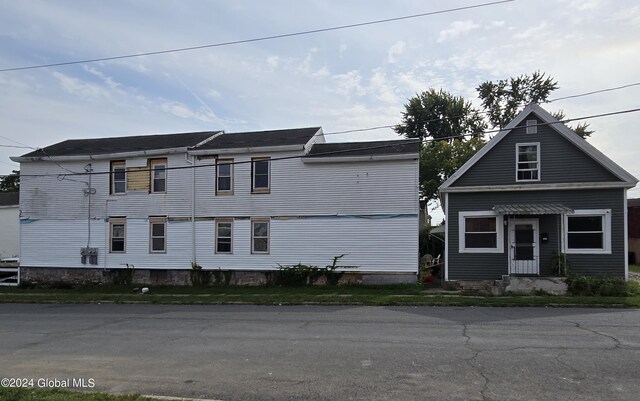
328 353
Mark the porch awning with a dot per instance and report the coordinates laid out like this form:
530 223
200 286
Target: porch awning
532 208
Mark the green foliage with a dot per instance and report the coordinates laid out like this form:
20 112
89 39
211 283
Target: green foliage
122 276
11 182
502 99
300 274
199 277
560 264
439 115
581 129
440 159
601 286
427 244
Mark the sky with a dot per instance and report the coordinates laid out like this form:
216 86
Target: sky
340 80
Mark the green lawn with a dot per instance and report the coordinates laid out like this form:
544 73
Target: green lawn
634 268
29 394
317 295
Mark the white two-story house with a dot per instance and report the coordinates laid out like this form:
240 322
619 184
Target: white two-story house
246 202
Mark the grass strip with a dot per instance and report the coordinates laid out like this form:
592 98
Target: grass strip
35 394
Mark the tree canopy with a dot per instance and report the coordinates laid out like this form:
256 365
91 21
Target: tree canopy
11 182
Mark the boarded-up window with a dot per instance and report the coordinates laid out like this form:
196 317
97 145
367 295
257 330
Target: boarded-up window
157 234
117 234
260 236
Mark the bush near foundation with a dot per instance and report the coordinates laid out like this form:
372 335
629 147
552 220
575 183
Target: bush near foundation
601 286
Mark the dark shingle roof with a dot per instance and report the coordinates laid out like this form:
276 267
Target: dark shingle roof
9 198
77 147
294 136
374 148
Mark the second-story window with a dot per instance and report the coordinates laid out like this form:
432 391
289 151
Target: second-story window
260 174
528 162
118 177
224 176
158 175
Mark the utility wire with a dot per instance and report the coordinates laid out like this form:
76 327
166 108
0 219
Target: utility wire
593 92
337 152
259 39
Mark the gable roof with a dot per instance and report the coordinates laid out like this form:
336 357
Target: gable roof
139 143
283 137
9 198
345 149
560 128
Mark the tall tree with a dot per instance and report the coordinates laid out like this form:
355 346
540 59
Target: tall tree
451 130
11 182
503 99
438 114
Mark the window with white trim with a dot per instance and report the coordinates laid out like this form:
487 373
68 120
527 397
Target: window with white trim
528 162
224 236
260 175
260 236
118 177
158 175
532 127
481 232
588 231
157 234
117 234
224 176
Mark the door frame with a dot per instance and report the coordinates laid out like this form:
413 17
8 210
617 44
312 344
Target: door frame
535 222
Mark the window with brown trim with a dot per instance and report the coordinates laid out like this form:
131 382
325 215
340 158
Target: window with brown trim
157 234
118 182
158 175
261 175
117 234
260 236
224 236
224 176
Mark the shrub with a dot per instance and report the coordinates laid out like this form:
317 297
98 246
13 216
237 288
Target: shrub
601 286
122 276
199 277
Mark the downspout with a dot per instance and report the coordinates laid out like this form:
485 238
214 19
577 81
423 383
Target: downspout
626 236
193 206
446 236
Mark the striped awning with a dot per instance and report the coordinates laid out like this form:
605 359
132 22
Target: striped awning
532 208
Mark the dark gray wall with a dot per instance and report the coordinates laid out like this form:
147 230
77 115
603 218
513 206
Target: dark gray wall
480 266
561 161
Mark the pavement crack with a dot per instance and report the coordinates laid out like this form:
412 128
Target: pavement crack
473 362
577 374
617 343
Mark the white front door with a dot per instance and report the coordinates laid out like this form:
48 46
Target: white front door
524 249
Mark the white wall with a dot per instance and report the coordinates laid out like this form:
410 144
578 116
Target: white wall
314 209
9 231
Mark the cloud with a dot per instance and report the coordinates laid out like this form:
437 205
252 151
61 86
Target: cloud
532 32
395 50
79 88
273 62
456 29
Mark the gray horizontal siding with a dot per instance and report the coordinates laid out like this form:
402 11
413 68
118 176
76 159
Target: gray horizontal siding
561 161
477 266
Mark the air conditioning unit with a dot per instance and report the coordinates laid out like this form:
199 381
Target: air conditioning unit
89 255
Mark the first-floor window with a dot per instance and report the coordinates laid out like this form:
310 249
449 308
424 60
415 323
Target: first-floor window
480 232
117 234
588 231
260 236
158 234
224 235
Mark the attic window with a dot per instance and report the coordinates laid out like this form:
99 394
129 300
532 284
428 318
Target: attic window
532 126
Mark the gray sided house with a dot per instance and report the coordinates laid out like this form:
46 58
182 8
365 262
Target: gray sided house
535 191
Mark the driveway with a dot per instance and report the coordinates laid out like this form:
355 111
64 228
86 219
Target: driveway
329 353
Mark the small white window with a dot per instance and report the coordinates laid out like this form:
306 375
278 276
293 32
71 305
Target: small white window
118 233
224 177
224 236
481 232
532 126
528 162
588 231
158 175
260 236
118 177
157 234
260 176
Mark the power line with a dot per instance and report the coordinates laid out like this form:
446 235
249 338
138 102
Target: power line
341 151
15 146
593 92
259 39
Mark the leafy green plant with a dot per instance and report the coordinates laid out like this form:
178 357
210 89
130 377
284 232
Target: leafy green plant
222 277
333 277
560 265
123 276
301 274
601 286
199 277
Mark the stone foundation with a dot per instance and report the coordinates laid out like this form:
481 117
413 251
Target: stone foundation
183 276
513 285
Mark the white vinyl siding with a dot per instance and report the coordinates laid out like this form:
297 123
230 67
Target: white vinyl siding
528 162
481 232
588 232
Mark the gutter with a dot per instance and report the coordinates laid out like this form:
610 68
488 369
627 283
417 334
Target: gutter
119 155
345 159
